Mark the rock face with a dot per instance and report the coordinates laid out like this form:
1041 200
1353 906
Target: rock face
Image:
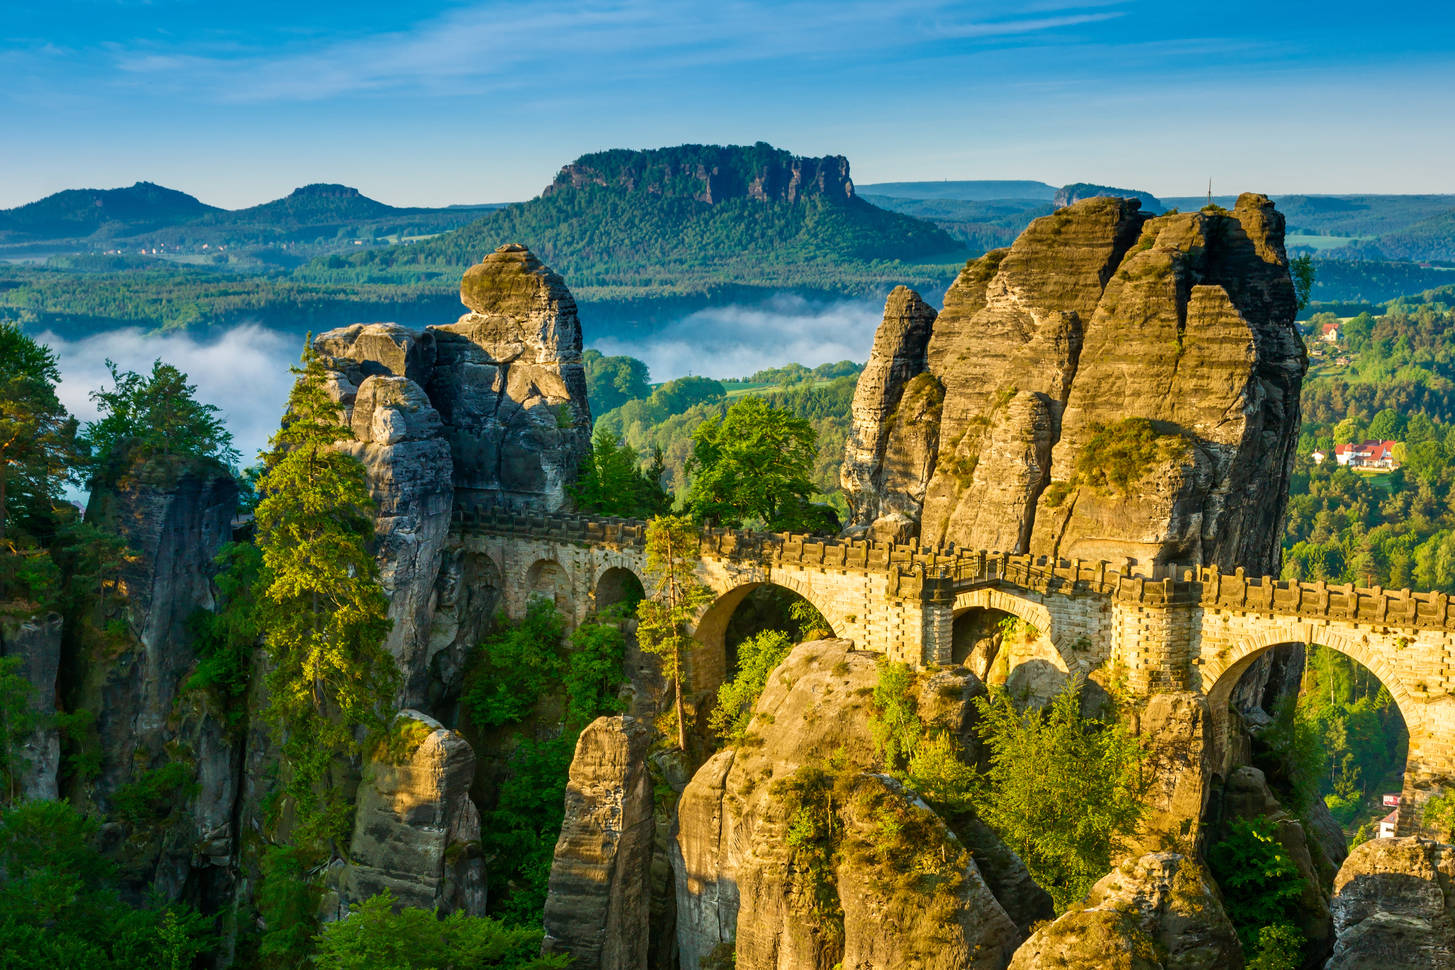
1114 386
175 516
1154 913
885 408
711 173
416 831
36 644
599 903
1394 906
742 884
489 408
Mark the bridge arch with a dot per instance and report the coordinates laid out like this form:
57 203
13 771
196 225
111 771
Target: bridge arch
1035 669
548 579
616 585
1376 654
710 663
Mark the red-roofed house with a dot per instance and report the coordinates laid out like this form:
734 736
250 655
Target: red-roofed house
1329 333
1367 454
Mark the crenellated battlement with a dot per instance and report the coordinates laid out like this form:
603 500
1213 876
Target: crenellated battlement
937 574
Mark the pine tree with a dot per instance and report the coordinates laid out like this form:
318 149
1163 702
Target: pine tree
320 604
674 598
37 436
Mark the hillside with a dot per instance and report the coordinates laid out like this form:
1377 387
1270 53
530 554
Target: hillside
313 219
83 212
964 190
684 220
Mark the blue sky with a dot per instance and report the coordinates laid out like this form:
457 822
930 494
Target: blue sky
430 104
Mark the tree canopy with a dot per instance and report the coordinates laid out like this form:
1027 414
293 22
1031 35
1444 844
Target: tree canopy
610 481
155 415
753 467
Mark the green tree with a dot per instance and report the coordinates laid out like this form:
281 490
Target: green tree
757 657
612 381
674 598
753 466
321 608
1301 268
60 908
1261 883
611 482
1062 790
155 415
376 937
37 436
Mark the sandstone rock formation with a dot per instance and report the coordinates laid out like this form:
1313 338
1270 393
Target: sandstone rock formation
599 903
735 884
1157 912
1394 906
885 408
35 642
491 408
416 831
711 173
1114 386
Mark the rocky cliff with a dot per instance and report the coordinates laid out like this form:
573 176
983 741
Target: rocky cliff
711 173
491 408
843 893
1113 386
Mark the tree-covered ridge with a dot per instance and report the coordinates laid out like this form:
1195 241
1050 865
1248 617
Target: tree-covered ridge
685 219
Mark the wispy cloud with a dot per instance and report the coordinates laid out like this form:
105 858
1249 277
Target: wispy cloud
497 46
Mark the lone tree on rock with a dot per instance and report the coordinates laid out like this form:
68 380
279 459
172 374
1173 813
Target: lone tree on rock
674 597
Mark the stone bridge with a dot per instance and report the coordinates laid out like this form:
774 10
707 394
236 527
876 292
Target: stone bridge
1165 630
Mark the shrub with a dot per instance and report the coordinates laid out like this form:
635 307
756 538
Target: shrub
375 937
1119 454
1260 882
513 666
757 657
895 722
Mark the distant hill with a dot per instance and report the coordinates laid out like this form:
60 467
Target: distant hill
1431 239
1075 192
310 220
311 205
979 225
626 224
84 212
972 190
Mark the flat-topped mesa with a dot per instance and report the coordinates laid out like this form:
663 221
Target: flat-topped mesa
1115 386
711 173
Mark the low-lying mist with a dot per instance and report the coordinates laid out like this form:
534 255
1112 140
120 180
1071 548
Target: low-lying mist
245 371
736 340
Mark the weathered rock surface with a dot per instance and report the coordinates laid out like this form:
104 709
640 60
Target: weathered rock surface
509 383
734 881
36 643
599 902
1394 906
416 831
491 407
897 358
1157 912
1051 352
399 439
1176 729
175 516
